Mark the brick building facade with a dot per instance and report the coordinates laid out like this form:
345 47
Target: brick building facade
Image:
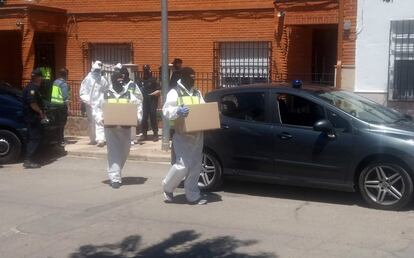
244 41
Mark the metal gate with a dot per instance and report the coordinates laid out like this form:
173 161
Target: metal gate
401 61
245 62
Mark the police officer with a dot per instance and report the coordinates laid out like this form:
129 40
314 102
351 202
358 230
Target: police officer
151 91
33 115
177 66
118 137
59 100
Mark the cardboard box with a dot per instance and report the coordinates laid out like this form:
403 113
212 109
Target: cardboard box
120 114
202 117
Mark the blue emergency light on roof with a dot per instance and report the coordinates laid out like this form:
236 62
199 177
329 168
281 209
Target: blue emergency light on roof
297 84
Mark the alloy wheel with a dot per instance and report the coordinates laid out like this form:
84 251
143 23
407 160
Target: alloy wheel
4 147
384 185
208 171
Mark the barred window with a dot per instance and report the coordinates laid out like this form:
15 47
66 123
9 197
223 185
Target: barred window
401 64
238 63
110 54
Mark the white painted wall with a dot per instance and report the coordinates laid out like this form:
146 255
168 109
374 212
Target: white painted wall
372 45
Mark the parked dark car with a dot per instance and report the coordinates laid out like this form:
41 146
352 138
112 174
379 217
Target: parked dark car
313 136
12 128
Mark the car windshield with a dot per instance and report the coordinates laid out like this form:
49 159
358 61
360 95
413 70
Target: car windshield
361 108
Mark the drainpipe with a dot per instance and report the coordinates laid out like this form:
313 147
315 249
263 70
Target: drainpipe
340 44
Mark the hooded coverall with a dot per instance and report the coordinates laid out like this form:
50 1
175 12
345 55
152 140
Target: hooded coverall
134 89
118 138
92 88
188 147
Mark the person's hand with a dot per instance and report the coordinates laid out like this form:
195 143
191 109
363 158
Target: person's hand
156 93
183 111
42 115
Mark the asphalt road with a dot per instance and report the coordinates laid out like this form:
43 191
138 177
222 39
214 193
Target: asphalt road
66 209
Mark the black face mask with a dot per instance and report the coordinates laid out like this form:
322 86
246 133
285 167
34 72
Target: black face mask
188 82
118 86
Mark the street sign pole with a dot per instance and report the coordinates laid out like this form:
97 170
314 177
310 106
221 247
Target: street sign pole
165 73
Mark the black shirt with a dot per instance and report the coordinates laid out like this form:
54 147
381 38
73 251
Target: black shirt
148 86
176 75
31 94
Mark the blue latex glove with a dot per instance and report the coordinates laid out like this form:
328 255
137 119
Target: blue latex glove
183 111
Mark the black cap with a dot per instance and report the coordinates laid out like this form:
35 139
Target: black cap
146 67
177 61
37 72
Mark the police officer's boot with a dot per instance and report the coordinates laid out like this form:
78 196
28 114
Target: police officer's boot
30 165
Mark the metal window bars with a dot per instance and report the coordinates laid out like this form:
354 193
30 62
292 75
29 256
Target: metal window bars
245 62
401 61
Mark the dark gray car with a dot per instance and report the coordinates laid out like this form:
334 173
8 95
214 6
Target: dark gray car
314 136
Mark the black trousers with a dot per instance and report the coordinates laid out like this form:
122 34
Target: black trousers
149 109
34 137
61 120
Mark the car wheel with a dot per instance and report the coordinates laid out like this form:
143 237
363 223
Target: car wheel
10 147
386 186
211 172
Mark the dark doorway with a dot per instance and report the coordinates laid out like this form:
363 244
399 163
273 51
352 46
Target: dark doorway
324 54
45 59
11 66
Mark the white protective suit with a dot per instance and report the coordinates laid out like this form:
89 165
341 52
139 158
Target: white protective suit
188 148
134 89
92 87
118 139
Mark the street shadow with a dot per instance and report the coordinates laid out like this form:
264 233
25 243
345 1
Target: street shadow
49 154
182 244
210 197
130 180
293 193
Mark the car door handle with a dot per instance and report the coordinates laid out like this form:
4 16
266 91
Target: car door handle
285 136
224 126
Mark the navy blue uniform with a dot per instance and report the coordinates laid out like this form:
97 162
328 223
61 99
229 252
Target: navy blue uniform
31 94
150 104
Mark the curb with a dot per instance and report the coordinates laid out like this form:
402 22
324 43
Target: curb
147 158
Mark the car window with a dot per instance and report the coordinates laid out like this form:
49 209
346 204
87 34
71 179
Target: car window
337 121
248 106
295 110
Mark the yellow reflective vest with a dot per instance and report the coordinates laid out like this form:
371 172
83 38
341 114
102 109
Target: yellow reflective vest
186 100
57 96
123 99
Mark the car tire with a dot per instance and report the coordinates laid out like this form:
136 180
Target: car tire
386 185
211 176
10 147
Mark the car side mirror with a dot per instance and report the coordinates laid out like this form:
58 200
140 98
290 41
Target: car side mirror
325 126
408 117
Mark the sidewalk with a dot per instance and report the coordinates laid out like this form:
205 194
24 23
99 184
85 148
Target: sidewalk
144 151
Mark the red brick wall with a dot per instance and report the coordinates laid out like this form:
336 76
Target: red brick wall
299 58
349 45
191 36
194 26
94 6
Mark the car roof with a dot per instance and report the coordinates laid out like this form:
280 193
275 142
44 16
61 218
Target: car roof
6 88
306 88
310 88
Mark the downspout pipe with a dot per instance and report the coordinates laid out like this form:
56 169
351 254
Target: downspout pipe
338 81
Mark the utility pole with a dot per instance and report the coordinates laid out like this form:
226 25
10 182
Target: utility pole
165 73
